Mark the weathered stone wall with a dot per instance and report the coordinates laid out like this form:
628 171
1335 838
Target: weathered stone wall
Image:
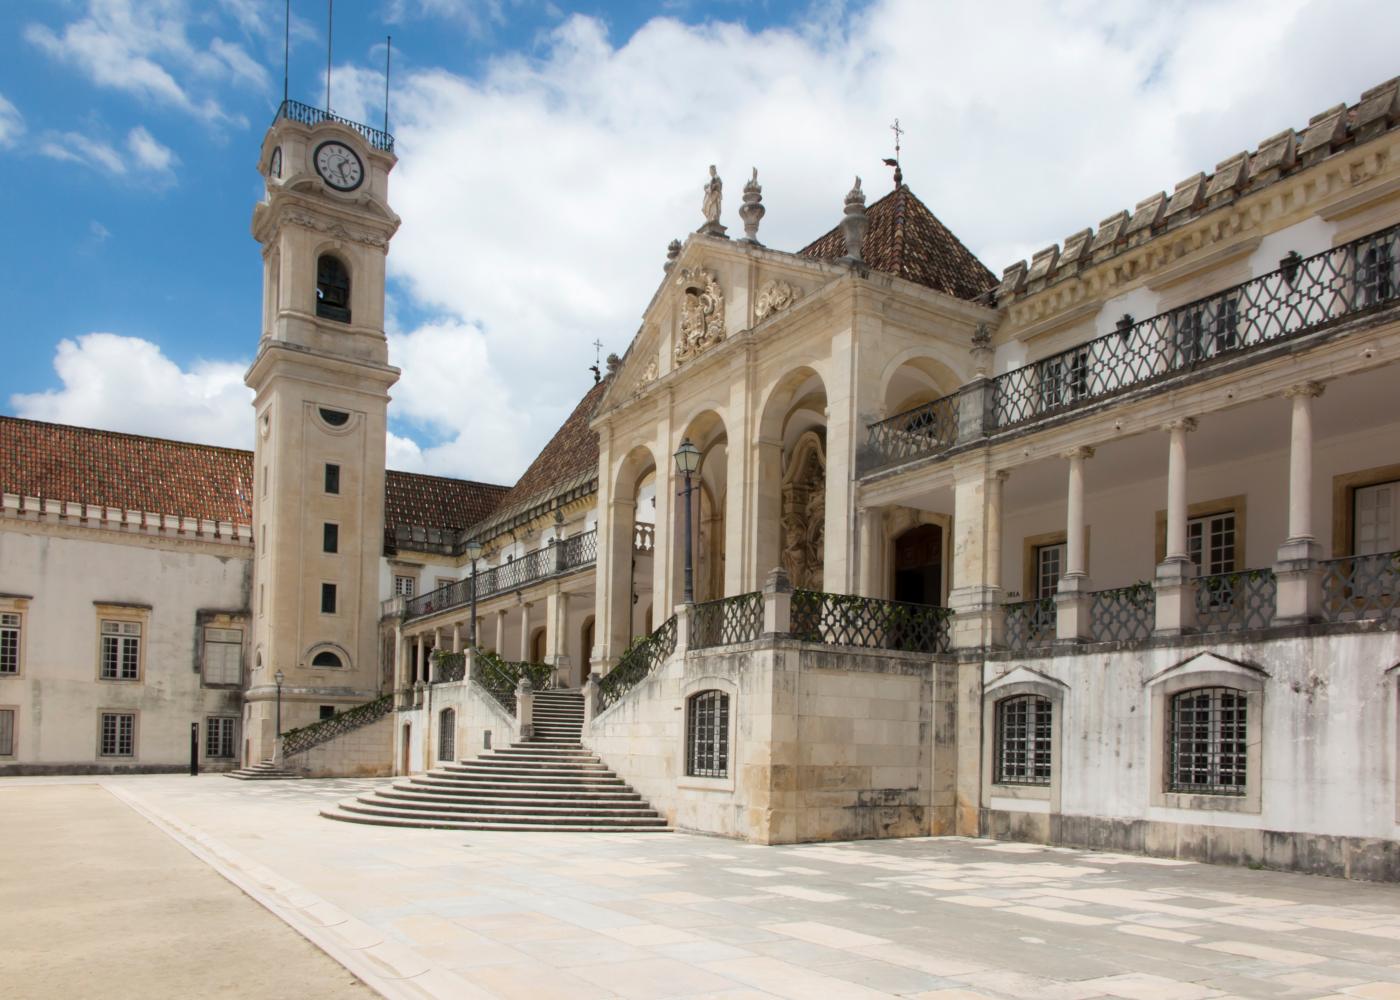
361 753
477 714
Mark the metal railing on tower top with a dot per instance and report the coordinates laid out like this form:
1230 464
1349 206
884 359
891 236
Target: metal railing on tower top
305 114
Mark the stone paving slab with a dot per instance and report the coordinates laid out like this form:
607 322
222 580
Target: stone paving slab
490 914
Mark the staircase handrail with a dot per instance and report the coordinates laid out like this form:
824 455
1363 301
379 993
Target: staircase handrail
296 741
639 660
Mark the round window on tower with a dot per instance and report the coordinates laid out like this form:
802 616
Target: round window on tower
336 418
326 658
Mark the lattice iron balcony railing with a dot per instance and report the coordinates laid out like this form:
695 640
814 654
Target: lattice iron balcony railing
846 620
726 621
1123 614
1029 623
1304 295
558 557
501 677
1360 587
305 114
296 741
1234 602
639 660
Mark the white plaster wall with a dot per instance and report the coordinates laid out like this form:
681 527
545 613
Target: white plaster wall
58 694
1311 236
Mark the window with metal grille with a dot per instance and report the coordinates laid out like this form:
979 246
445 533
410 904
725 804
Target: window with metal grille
332 289
7 732
1023 740
1207 741
220 737
121 651
1049 565
707 735
118 734
403 586
1377 276
447 734
223 656
9 643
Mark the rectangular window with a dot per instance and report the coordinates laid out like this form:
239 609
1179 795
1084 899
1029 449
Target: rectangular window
1378 274
1064 378
444 581
121 651
1375 520
707 735
1049 566
220 737
9 643
330 538
1208 741
327 598
403 586
1023 740
332 478
1204 329
223 656
1210 541
118 734
7 732
326 711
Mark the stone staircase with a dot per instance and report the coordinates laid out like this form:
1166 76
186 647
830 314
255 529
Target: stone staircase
264 771
547 782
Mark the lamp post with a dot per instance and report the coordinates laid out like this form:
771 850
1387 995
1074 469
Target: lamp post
687 461
473 549
279 677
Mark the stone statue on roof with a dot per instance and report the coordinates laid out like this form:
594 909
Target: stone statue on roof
710 207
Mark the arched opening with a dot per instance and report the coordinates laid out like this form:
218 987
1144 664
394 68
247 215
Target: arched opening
332 289
791 495
707 499
537 645
918 565
586 646
635 488
407 756
447 734
325 658
916 382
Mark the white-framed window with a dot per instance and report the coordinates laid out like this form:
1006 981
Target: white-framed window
7 732
1064 378
220 737
1376 519
121 650
1210 541
1049 567
223 655
1207 328
1024 736
404 585
707 735
1378 275
117 736
1207 742
10 624
444 581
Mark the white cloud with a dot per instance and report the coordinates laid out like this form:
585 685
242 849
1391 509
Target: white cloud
11 123
149 153
99 232
128 384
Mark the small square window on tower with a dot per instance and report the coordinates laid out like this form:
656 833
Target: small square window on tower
327 598
332 478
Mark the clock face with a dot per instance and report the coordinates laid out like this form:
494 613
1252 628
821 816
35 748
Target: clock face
339 166
274 165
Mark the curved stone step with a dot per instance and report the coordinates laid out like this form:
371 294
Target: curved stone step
520 819
439 823
382 803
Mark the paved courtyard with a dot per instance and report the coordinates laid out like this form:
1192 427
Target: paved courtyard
509 915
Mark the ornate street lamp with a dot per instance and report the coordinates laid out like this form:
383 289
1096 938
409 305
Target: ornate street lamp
687 461
279 677
473 549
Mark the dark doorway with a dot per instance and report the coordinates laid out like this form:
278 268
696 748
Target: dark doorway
918 565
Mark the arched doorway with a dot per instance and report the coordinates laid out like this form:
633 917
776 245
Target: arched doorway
586 655
407 748
918 565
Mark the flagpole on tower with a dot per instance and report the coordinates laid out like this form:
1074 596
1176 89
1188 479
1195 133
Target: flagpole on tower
286 46
330 29
388 56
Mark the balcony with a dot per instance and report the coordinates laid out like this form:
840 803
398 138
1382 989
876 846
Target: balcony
304 114
1303 296
554 559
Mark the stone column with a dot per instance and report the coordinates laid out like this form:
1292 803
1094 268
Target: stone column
872 581
1298 570
525 632
613 609
456 637
777 603
501 632
556 637
525 707
1176 574
975 594
1072 600
437 644
765 529
400 660
419 659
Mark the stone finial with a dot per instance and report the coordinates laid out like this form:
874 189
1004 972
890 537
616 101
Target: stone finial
1075 252
1146 215
1013 279
1187 197
673 250
751 211
1110 232
1229 178
1322 133
981 350
613 363
1042 263
855 224
710 206
777 582
1276 154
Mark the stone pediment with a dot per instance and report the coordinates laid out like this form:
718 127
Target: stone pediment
1023 675
1208 662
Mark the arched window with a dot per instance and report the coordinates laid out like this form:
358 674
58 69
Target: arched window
332 289
1207 741
326 658
447 734
1023 740
707 735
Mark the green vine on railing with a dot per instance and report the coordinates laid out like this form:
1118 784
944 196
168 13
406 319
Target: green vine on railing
501 677
448 667
638 660
296 741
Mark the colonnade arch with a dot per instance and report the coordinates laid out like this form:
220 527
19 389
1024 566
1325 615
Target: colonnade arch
707 431
790 473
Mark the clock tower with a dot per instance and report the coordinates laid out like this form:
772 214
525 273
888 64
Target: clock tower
321 379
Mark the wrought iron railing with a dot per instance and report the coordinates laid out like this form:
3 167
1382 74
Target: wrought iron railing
1359 587
1029 622
1232 602
847 620
448 667
925 430
1123 614
500 677
300 740
726 621
640 659
1305 294
307 115
558 557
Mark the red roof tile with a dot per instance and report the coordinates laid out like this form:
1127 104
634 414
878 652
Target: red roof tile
416 500
906 239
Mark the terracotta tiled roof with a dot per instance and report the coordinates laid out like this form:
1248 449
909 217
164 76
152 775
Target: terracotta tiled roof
570 457
415 500
907 240
132 472
81 465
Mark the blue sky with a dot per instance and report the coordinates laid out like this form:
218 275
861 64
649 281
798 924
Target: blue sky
547 154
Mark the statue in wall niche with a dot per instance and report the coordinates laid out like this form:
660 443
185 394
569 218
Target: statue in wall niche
804 512
773 297
702 312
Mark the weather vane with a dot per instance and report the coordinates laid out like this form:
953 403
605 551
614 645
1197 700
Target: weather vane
597 367
898 174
